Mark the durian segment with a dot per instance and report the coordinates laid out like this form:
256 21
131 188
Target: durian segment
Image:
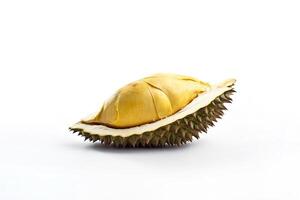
214 93
177 133
161 103
148 100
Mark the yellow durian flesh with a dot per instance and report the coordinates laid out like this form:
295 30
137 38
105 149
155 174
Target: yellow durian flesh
148 100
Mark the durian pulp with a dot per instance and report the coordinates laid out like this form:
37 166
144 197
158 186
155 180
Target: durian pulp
200 101
148 100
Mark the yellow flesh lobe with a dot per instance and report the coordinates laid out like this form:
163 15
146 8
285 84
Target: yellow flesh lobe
148 100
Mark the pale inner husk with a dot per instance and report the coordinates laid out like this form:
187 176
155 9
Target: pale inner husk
199 102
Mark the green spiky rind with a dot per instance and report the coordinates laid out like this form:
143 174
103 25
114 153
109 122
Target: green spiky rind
177 133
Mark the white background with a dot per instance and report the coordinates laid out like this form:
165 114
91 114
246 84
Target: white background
59 59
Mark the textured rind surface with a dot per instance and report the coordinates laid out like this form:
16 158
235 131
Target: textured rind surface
177 133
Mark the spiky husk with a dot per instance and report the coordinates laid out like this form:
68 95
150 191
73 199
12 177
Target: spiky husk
177 133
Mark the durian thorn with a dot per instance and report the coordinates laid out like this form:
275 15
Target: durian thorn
191 125
133 140
218 100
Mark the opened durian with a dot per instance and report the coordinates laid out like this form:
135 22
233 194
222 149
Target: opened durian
159 110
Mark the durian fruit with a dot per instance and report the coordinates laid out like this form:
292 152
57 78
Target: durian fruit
159 110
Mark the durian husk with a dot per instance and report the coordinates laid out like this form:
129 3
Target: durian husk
178 132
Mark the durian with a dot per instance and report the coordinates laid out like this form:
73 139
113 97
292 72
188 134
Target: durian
159 110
